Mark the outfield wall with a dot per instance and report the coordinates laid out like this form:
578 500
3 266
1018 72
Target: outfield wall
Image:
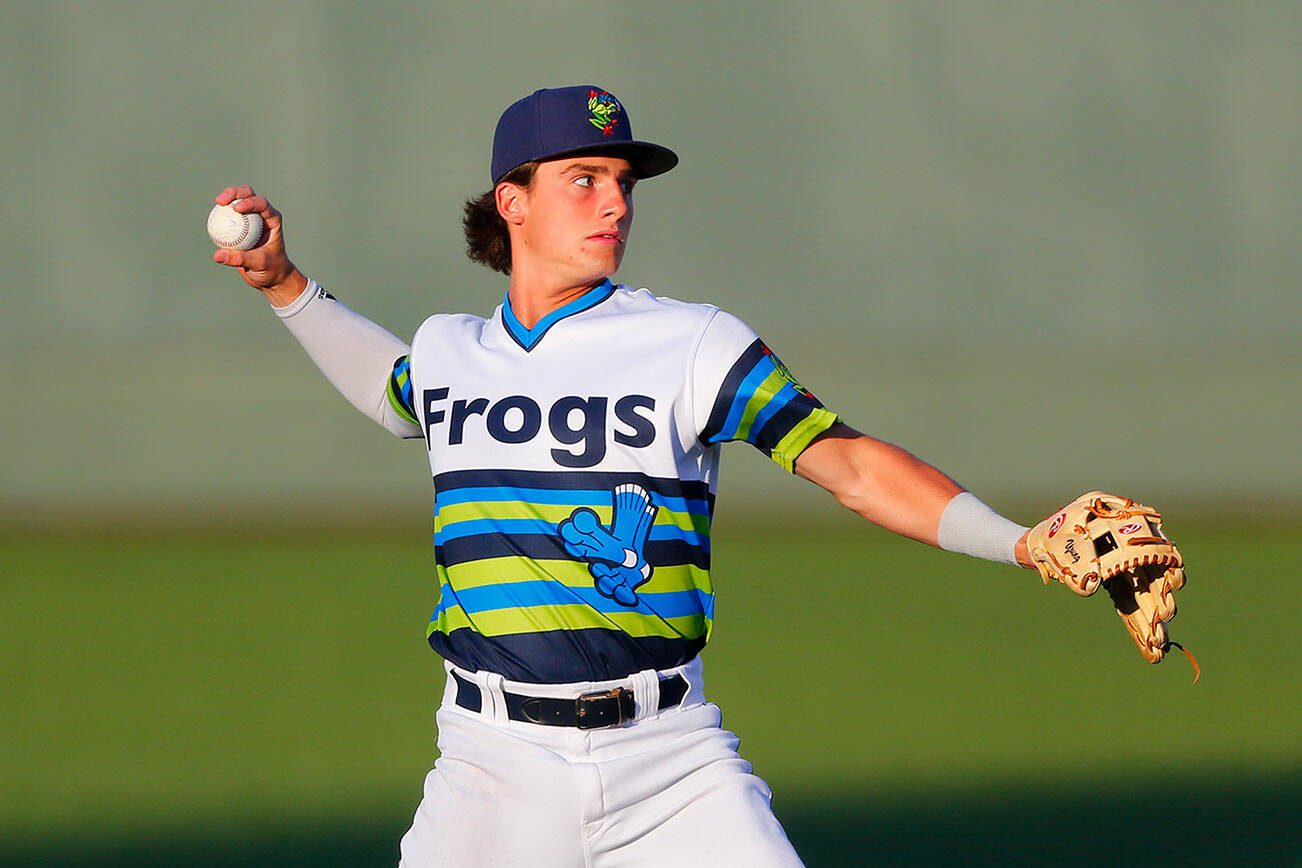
1048 249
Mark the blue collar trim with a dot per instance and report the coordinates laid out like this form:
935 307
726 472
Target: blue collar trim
529 338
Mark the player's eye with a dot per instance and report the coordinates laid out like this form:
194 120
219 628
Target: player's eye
627 185
584 181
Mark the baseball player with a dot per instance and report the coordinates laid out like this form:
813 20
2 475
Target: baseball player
574 439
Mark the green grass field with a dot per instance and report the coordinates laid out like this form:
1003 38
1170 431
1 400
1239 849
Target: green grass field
262 698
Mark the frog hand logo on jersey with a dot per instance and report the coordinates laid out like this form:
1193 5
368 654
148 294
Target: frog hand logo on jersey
784 371
605 111
614 556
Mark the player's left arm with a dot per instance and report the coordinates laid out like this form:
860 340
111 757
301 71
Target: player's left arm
743 392
898 491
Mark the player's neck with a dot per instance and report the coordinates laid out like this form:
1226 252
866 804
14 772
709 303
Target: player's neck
531 300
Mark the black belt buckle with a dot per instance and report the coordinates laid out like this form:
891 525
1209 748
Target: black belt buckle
604 708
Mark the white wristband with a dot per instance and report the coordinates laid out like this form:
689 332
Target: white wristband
969 527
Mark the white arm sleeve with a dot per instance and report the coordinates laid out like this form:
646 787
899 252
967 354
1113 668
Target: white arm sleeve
969 527
355 354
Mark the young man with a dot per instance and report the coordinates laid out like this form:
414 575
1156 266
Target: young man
574 439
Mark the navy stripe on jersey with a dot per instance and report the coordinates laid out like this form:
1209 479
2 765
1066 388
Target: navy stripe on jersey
728 391
659 553
787 416
564 656
572 481
518 527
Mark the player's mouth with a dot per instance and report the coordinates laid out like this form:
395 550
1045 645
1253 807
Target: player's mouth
615 238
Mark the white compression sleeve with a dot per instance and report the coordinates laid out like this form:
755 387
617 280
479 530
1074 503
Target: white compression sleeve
355 354
969 527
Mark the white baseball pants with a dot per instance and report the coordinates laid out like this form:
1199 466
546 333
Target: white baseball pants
666 788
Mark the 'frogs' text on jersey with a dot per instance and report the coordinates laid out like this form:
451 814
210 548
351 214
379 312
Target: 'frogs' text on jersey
574 468
581 426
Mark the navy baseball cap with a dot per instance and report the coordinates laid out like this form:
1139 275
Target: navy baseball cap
559 122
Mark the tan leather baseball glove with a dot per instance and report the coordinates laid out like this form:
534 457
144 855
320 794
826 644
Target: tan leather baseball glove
1103 539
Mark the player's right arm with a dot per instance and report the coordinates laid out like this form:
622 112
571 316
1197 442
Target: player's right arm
365 362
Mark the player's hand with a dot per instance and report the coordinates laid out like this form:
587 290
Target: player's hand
265 267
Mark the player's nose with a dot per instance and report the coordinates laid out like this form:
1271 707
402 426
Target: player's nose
616 203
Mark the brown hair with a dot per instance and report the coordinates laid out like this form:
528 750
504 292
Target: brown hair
487 240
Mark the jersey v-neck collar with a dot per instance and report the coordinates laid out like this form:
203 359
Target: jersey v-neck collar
529 338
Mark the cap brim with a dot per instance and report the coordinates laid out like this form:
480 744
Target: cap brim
647 158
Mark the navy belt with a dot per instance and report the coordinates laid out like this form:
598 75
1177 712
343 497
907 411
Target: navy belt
589 711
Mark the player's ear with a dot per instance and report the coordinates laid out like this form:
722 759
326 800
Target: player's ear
512 200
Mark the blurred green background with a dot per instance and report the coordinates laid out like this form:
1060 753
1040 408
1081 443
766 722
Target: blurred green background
1046 246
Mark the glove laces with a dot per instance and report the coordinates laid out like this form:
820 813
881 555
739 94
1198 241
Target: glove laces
1192 662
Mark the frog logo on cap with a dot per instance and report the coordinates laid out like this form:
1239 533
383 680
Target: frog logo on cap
605 111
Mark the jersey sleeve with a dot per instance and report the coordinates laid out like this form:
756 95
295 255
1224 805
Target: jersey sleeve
399 392
742 391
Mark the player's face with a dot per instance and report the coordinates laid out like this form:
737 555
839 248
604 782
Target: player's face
578 212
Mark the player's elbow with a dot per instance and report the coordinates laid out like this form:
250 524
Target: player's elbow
854 485
858 495
398 426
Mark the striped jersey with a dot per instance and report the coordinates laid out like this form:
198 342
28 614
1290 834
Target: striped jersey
574 467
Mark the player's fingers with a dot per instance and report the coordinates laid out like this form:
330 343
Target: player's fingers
236 258
250 204
259 205
230 194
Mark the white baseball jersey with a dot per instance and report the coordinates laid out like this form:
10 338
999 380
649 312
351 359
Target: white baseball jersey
574 469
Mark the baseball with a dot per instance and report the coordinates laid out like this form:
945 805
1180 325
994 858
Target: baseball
231 229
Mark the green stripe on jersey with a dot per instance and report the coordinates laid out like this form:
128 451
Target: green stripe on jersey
759 399
799 437
395 398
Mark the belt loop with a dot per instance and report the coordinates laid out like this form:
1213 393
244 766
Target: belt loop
449 685
646 690
693 674
493 701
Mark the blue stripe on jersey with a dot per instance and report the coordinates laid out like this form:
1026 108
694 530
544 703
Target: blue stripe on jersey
519 526
402 372
728 391
528 338
780 401
757 375
517 595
